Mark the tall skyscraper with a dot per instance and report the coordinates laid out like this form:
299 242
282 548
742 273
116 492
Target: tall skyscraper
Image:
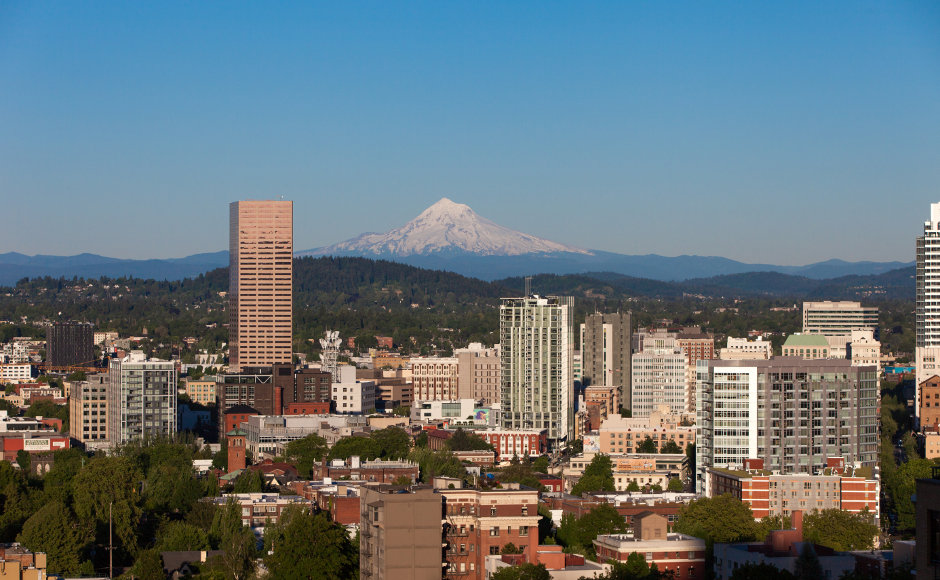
927 306
536 384
261 247
606 345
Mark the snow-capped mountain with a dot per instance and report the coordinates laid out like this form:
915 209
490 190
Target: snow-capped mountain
447 227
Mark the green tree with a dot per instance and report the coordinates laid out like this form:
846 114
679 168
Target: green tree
770 523
148 566
525 571
463 441
58 481
637 566
304 545
675 484
236 541
646 446
23 460
670 447
248 481
109 482
510 548
722 518
46 408
433 464
578 533
902 487
305 452
807 565
392 443
762 571
598 476
55 531
540 464
633 486
181 536
840 530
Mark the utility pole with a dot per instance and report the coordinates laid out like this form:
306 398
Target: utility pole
110 543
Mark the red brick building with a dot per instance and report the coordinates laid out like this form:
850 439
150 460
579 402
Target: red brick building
930 402
234 417
372 471
479 523
340 499
307 408
852 490
509 444
681 555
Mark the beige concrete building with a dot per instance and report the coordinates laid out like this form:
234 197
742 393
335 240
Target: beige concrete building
435 379
88 410
202 391
744 349
478 367
622 435
261 247
400 533
863 349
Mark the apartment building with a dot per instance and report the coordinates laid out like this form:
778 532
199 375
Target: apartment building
478 370
69 343
660 375
606 349
200 391
88 410
618 434
400 533
260 509
678 555
767 493
536 344
479 523
141 398
792 413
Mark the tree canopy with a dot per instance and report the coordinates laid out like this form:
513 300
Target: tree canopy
722 518
598 476
305 545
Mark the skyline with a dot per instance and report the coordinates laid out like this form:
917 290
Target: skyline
630 129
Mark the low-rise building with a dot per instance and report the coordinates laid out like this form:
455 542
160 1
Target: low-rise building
351 395
338 498
744 349
847 489
807 346
13 372
260 509
18 563
457 411
200 391
781 550
510 443
620 435
354 469
681 555
644 469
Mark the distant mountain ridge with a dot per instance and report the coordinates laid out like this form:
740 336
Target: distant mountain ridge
452 237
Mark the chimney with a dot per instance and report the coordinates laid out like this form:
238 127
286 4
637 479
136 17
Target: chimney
796 519
278 398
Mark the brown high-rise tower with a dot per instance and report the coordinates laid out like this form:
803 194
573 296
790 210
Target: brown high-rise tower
261 247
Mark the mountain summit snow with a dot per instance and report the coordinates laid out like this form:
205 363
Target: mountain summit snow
447 227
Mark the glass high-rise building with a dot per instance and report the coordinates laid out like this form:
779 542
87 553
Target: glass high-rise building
261 248
536 384
141 399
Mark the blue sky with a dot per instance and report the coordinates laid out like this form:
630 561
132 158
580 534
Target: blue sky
787 132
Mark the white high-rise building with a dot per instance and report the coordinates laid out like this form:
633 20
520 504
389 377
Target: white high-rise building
659 375
536 383
927 307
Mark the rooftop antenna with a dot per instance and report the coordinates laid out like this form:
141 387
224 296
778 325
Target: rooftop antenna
528 286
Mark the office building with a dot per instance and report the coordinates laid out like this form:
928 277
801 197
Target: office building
260 276
838 318
927 302
400 533
660 375
606 348
536 388
696 345
141 399
792 413
69 344
200 391
807 346
88 410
